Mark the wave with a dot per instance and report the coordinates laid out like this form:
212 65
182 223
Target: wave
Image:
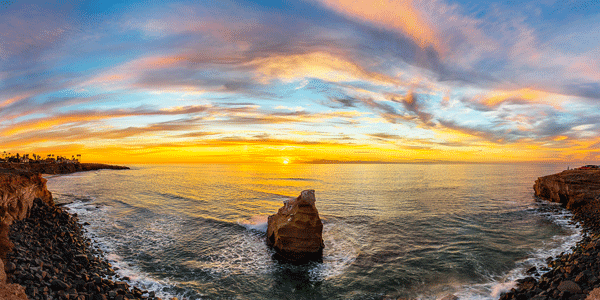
495 286
255 223
99 219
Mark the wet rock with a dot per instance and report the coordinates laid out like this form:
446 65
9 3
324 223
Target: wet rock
569 286
527 283
296 231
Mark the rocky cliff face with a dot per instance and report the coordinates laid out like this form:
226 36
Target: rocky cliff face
17 192
18 189
571 188
296 231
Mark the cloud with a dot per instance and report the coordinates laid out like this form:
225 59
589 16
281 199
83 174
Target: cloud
342 102
411 103
28 31
399 15
321 65
86 116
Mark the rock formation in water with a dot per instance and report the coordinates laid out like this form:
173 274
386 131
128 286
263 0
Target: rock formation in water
571 188
296 231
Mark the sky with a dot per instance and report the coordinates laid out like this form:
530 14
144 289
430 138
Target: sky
301 80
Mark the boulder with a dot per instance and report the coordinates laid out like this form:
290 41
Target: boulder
569 286
296 231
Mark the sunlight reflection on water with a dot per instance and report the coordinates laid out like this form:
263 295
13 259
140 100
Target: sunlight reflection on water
410 230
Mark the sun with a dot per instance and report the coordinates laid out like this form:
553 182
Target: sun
286 161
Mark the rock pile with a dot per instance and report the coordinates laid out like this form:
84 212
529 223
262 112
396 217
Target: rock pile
572 276
53 260
296 231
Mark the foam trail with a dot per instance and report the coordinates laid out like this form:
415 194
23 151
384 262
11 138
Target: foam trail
256 223
98 216
557 245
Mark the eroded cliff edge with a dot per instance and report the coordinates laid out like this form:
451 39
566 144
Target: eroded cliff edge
571 188
18 190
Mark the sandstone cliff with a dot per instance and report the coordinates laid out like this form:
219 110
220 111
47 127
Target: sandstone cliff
18 189
296 231
571 188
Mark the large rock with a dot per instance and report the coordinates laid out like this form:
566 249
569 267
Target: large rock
296 231
571 188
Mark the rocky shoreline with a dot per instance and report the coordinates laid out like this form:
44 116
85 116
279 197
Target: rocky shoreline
47 256
53 259
574 275
44 252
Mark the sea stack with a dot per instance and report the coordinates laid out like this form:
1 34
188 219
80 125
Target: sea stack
296 231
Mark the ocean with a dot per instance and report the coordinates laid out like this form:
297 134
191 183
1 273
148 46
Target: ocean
421 231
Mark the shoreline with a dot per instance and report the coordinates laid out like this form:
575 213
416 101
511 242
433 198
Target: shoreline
44 252
574 275
571 276
58 168
52 257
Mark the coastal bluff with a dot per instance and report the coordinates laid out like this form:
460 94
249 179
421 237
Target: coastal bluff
18 190
44 253
58 168
570 188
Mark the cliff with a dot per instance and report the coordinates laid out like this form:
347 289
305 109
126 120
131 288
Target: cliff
58 168
18 189
571 188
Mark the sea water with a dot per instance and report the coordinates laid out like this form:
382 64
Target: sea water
391 230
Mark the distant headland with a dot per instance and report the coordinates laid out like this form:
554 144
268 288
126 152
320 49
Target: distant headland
51 164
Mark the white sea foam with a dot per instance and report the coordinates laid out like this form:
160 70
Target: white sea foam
257 223
341 250
99 216
250 254
493 289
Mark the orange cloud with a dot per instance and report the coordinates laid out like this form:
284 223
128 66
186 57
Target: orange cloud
322 65
14 99
495 98
399 15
